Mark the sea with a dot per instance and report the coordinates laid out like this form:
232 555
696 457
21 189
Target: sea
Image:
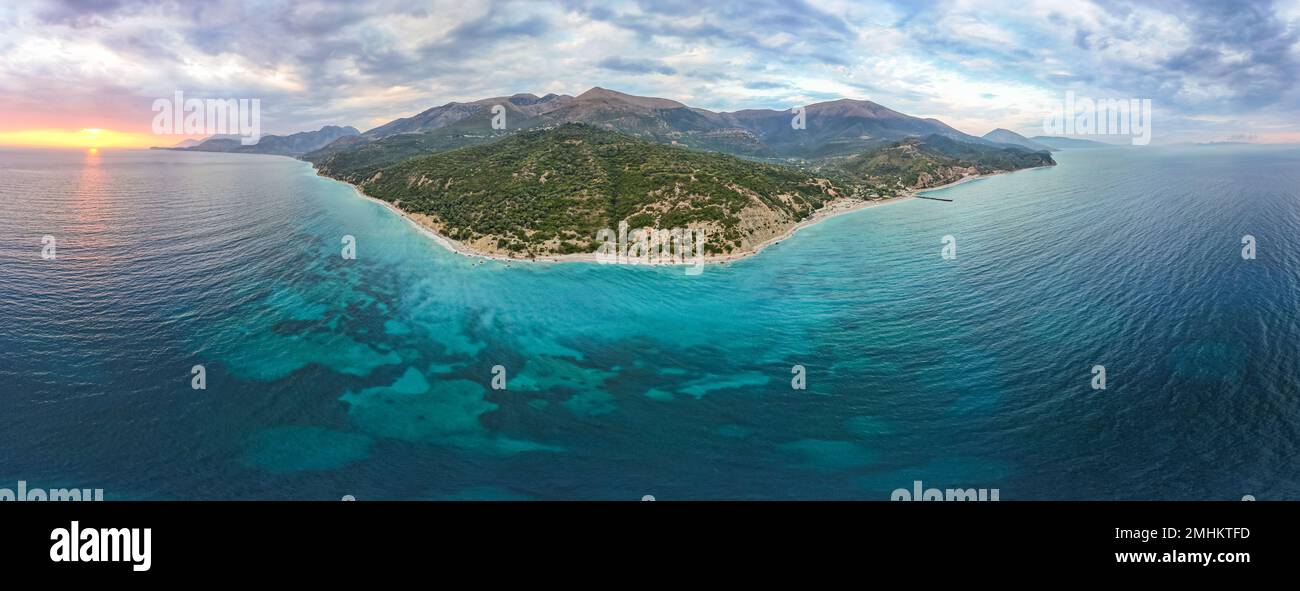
1124 325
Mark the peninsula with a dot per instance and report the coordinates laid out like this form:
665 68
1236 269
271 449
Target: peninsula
553 171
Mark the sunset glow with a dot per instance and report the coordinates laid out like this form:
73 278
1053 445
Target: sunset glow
90 137
974 67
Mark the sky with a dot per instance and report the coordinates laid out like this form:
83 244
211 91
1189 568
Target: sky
88 72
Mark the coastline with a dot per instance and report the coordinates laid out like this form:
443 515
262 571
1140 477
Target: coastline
832 209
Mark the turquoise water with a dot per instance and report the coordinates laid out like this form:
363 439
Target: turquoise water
373 377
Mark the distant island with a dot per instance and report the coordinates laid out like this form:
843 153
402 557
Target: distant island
295 144
1068 143
557 169
1006 136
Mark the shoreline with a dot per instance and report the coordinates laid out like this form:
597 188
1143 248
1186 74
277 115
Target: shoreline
831 210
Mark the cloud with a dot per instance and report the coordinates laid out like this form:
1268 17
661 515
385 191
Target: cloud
1210 68
635 66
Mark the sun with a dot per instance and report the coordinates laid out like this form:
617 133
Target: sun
83 138
92 136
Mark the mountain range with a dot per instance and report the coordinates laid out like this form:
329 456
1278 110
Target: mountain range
830 128
834 128
1006 136
295 144
560 167
1068 143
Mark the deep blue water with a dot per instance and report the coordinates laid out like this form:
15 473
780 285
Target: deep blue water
370 377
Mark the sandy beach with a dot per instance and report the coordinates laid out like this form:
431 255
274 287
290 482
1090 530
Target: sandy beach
832 209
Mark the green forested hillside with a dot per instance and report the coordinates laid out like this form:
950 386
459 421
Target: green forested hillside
934 160
549 191
353 159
